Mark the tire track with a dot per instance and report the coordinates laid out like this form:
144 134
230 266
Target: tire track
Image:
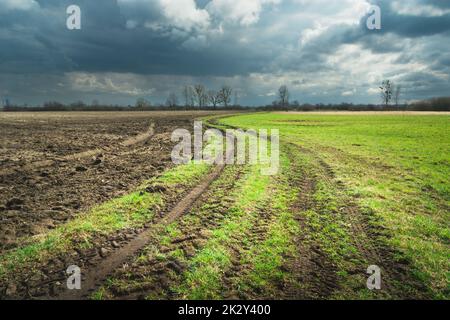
167 273
311 273
97 274
314 275
369 238
82 155
258 232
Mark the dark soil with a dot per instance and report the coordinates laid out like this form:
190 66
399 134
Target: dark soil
55 165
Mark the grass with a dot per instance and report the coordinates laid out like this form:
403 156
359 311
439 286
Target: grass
162 249
261 208
266 258
129 211
206 269
380 181
328 226
392 165
355 179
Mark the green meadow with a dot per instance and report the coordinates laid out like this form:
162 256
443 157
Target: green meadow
396 170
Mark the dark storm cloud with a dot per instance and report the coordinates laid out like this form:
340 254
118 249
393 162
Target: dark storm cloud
408 25
105 44
138 37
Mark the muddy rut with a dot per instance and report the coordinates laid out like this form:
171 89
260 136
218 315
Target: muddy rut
156 278
96 275
313 273
316 273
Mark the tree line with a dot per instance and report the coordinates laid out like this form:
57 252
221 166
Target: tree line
198 97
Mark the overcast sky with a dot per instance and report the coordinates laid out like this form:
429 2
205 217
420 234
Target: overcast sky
126 49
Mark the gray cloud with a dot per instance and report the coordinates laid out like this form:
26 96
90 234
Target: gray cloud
150 48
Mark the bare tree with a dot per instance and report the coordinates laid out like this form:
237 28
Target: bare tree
189 96
397 94
172 100
386 92
200 94
214 98
225 95
283 93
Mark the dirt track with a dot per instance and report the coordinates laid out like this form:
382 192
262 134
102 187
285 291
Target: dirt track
94 277
312 274
154 277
